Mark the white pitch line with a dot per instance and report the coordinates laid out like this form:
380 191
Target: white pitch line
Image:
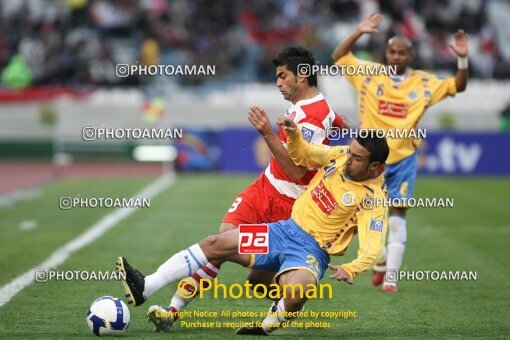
60 255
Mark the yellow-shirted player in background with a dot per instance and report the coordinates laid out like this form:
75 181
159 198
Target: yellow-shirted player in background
398 102
337 204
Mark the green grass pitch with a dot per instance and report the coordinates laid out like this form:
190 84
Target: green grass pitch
472 236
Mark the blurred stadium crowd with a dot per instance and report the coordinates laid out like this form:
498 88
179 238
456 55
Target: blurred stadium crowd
79 42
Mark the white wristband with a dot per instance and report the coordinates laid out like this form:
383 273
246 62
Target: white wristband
462 63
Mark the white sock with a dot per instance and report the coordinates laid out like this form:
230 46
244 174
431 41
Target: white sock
275 320
177 302
396 242
179 266
207 272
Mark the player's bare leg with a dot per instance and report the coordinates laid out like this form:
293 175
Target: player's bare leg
396 246
293 301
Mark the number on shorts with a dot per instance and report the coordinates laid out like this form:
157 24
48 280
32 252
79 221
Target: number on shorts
312 262
235 204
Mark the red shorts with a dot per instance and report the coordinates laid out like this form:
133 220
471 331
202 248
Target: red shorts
259 203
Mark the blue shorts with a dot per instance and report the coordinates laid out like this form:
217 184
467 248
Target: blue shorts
290 247
401 176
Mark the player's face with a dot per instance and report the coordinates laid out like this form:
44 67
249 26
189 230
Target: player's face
287 83
400 54
358 166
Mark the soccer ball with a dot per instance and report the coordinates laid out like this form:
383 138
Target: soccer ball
108 316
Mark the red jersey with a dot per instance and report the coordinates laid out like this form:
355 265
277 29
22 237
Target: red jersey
314 117
271 196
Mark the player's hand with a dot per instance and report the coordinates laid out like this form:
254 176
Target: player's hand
288 125
461 44
340 275
258 118
369 25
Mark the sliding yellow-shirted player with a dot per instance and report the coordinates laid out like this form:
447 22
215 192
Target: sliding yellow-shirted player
338 203
398 103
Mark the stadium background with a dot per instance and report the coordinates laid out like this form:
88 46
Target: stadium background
57 70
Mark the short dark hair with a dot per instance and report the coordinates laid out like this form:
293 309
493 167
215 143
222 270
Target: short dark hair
293 56
377 146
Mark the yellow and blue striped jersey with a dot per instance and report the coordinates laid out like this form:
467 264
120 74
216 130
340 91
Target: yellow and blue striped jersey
334 208
398 105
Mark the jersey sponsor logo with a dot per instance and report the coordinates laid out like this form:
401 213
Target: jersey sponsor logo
367 203
380 91
253 239
412 95
307 134
324 199
376 225
348 199
392 109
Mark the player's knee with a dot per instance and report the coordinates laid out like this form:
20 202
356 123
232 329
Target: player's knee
224 227
210 242
398 230
400 212
220 246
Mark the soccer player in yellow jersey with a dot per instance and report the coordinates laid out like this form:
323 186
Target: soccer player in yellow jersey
338 203
397 103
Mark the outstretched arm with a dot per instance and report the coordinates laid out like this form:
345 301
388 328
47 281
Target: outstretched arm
372 228
461 50
369 25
